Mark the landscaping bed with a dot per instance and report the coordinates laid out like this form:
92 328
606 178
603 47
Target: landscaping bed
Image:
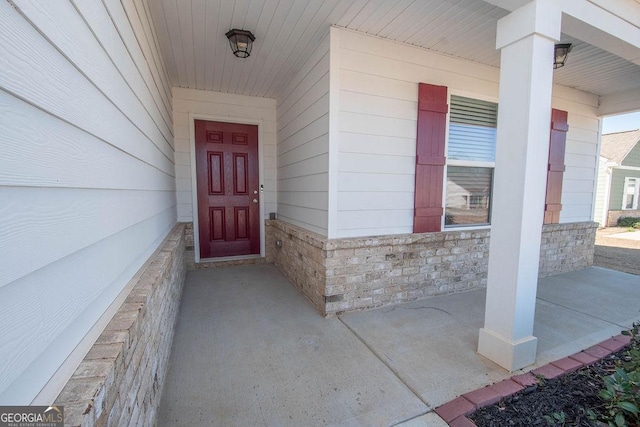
606 393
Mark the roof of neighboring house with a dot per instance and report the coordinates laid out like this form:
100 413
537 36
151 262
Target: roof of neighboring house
616 146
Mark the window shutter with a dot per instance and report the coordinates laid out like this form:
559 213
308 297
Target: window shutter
555 171
430 158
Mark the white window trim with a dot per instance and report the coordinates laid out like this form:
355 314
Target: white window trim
470 163
467 163
627 181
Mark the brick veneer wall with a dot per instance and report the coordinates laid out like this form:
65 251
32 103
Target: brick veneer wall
614 216
375 271
339 275
566 247
120 380
301 259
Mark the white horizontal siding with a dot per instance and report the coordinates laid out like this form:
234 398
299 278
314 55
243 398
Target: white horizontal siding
581 154
377 129
54 298
222 105
600 211
87 178
303 144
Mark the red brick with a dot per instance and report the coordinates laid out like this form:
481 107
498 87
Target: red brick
584 358
506 388
626 339
482 397
548 371
567 364
457 407
612 344
597 351
525 379
462 422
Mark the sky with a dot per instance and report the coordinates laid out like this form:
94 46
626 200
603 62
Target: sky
621 123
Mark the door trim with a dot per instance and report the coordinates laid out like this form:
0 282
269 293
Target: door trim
194 190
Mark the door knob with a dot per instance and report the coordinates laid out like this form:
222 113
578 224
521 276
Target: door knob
255 200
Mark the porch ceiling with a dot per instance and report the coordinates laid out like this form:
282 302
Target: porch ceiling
197 55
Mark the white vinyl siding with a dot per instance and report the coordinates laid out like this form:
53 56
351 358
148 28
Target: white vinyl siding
87 177
602 193
303 145
222 106
581 153
378 82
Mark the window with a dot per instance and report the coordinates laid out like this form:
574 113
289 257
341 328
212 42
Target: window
470 161
630 195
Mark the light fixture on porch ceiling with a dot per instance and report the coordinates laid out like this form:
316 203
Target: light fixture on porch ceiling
241 42
561 51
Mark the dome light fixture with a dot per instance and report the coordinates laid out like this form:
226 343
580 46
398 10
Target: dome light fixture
241 42
561 51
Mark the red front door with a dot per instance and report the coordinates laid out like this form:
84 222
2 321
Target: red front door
227 182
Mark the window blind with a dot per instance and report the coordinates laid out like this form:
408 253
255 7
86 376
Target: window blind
472 129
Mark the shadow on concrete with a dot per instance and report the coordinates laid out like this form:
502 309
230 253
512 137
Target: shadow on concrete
250 350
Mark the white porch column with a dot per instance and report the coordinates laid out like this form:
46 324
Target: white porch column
526 38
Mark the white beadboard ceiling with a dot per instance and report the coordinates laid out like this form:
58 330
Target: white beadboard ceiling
197 55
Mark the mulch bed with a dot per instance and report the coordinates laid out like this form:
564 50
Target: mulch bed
570 400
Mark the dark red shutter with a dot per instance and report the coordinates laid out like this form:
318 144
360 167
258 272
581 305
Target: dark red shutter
430 158
557 144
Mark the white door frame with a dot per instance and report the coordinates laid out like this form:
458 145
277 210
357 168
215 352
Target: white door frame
194 190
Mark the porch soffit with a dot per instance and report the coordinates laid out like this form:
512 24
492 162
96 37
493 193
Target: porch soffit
196 52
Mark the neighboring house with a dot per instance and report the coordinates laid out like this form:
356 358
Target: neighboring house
618 178
408 149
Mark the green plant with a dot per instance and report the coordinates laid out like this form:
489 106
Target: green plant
629 222
622 388
622 395
556 419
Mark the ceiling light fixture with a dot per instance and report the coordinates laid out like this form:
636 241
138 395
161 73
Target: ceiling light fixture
561 51
241 42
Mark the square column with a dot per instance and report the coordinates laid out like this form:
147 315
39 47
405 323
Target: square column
526 38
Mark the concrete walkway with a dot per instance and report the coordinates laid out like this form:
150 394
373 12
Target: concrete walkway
250 350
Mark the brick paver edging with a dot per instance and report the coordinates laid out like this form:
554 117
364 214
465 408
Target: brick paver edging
455 412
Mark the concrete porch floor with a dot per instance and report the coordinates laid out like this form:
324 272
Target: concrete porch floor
249 350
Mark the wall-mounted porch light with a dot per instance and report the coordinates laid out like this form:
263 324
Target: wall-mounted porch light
241 42
561 52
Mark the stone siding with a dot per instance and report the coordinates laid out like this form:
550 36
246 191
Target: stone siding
372 272
340 275
348 274
120 380
301 258
566 247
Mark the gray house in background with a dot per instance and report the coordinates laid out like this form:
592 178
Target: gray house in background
618 178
